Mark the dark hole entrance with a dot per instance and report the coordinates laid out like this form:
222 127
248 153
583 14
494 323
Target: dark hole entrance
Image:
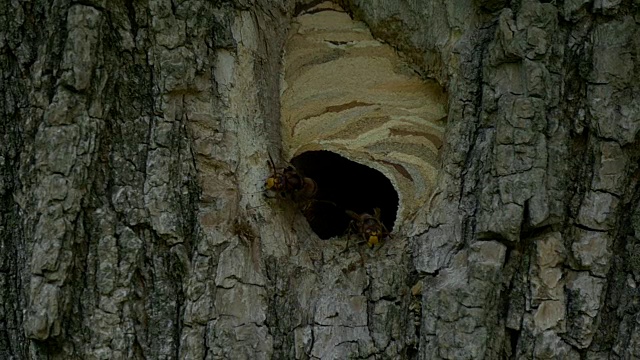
344 185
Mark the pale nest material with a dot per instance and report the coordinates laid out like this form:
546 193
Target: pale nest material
344 91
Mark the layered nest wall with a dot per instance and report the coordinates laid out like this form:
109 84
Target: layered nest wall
357 119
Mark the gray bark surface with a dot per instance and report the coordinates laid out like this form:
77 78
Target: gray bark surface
134 143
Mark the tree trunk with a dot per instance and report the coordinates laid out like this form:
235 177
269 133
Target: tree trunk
135 136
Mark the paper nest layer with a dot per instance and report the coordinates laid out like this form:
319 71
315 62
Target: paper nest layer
345 92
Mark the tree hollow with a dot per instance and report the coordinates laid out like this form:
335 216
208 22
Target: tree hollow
345 92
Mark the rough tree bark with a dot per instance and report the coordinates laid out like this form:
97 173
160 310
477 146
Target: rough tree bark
134 140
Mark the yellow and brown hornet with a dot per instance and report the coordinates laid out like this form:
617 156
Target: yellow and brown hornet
289 182
370 227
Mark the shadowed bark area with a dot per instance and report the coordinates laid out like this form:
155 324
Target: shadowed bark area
135 136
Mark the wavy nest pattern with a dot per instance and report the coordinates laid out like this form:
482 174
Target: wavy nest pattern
346 92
